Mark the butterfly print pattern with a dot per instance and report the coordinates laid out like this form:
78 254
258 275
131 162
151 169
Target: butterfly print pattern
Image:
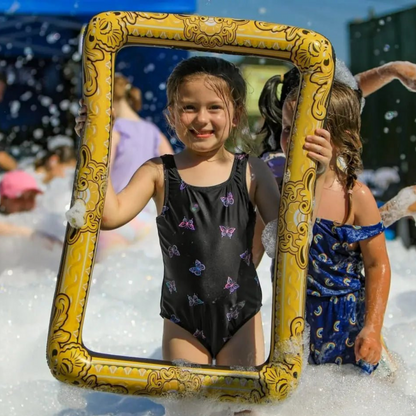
246 256
199 334
194 207
171 285
226 231
227 200
164 210
197 269
194 300
235 310
182 186
189 224
231 285
173 251
174 319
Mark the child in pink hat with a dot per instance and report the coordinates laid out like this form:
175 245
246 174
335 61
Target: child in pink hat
18 190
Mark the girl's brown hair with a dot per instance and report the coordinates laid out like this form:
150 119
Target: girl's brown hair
344 123
123 89
226 80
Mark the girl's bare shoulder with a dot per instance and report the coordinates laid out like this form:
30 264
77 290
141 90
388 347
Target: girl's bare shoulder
362 193
154 167
365 206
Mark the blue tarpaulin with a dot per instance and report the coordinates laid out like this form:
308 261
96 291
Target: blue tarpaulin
92 7
39 54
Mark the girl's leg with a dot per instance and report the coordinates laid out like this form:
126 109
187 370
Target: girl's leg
246 347
179 344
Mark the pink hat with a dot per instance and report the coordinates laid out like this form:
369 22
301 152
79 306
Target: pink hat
16 182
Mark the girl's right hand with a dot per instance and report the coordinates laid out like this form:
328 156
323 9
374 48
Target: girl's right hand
81 119
368 346
319 148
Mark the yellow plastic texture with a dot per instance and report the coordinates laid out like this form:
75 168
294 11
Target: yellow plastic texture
69 360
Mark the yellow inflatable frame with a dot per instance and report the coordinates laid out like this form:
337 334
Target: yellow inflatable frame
69 360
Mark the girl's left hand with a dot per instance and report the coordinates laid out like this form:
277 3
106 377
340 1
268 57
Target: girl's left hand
405 72
319 148
368 346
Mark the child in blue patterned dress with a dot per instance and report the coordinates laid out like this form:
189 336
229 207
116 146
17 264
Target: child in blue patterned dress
270 105
344 309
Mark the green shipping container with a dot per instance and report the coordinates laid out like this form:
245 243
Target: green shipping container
389 117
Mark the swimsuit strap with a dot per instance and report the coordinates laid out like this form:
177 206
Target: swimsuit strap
169 172
239 172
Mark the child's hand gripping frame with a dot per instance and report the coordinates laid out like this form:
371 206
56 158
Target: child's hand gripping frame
69 360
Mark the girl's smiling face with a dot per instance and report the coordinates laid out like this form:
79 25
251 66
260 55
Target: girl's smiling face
203 115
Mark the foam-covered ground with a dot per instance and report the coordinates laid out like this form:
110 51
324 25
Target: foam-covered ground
123 318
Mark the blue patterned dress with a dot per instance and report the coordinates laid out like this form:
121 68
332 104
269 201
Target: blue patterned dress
335 305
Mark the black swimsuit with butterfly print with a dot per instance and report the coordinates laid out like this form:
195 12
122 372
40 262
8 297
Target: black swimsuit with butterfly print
210 285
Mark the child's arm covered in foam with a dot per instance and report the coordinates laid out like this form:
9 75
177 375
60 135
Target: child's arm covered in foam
372 80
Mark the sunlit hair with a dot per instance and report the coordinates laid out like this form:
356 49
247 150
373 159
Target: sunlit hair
124 90
343 121
226 80
271 103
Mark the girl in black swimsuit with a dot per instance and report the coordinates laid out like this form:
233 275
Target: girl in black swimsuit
207 198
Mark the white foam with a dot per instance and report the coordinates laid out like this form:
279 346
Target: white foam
123 318
399 206
76 214
269 238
